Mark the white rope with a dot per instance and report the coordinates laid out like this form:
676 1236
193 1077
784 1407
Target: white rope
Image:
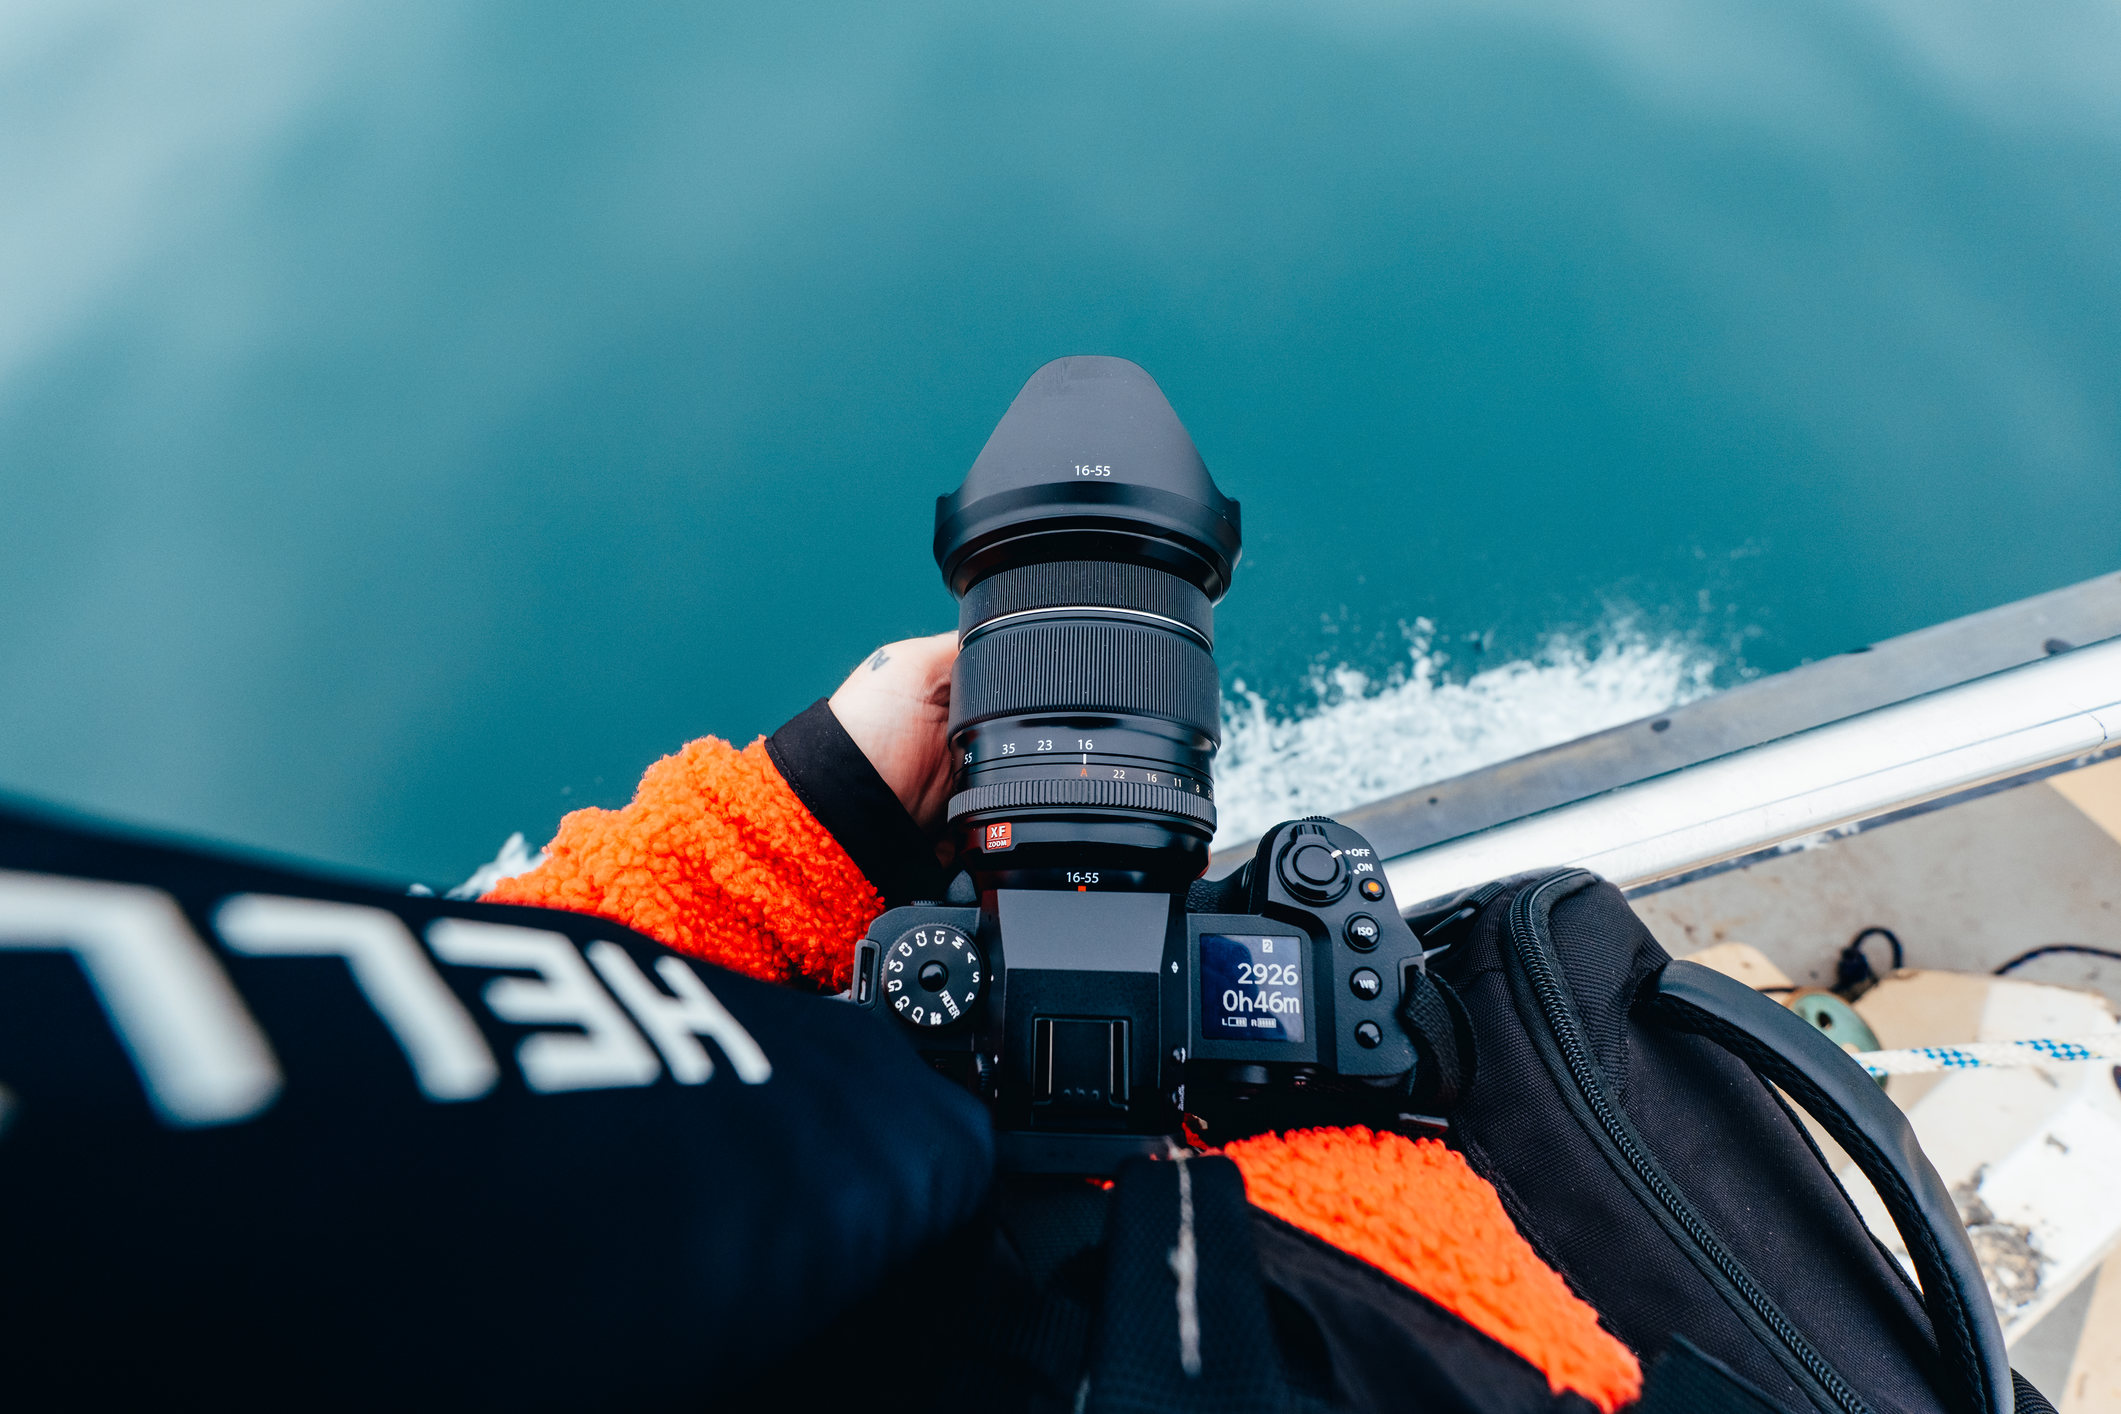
1990 1055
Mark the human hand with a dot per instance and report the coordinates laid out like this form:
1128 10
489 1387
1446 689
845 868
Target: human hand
896 707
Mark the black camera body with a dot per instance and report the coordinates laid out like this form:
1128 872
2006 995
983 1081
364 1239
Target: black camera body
1082 978
1096 1023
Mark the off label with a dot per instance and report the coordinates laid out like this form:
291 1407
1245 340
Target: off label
998 838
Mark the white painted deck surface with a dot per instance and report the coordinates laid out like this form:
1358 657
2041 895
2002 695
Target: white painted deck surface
2035 1155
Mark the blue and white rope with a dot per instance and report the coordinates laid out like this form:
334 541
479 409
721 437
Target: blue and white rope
1989 1055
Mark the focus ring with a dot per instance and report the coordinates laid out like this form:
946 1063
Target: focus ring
1095 584
1058 667
1075 790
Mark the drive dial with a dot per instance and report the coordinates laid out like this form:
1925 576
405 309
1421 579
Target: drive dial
933 975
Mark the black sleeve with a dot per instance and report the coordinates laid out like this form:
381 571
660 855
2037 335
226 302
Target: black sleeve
270 1139
832 778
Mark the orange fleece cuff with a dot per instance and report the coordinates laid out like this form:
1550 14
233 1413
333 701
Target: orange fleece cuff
1417 1211
717 858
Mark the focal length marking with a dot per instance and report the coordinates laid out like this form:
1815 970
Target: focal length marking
1035 754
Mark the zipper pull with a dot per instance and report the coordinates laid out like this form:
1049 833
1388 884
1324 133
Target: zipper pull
1480 898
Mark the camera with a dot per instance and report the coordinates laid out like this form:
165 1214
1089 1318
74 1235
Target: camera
1082 978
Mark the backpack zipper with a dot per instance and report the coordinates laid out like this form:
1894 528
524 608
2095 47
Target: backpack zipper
1541 972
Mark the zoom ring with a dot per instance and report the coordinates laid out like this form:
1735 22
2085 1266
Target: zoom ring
1075 790
1096 667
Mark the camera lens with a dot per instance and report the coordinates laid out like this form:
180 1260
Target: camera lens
1087 546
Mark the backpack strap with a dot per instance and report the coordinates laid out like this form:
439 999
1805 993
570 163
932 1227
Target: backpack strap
1436 1022
1784 1048
1183 1324
1688 1380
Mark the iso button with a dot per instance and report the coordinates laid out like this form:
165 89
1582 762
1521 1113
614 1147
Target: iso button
932 975
1361 932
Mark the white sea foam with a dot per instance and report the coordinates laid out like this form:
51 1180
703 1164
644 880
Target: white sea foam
514 858
1362 738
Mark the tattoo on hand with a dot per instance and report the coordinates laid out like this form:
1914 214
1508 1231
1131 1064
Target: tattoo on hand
878 659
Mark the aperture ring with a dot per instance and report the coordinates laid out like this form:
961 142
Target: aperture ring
1081 791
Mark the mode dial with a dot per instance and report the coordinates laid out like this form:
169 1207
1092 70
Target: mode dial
1311 868
932 975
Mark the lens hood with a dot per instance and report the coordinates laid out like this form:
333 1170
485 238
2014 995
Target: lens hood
1089 463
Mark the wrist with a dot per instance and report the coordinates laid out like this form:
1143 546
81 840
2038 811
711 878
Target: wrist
843 789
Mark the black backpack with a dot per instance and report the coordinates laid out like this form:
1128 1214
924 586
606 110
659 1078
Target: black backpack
1626 1108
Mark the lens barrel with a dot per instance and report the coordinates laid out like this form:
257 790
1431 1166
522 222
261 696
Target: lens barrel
1087 546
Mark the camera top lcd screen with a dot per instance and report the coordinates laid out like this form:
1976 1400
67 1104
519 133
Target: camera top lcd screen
1251 987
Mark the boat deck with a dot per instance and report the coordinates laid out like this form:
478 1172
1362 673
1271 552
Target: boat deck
1965 889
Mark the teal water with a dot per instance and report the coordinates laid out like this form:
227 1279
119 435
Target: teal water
415 419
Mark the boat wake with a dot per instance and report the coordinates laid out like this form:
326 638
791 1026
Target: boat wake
1360 738
515 858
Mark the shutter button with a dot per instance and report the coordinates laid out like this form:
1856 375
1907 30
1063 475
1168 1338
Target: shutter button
1314 872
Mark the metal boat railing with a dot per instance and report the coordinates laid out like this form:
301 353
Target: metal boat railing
2002 729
